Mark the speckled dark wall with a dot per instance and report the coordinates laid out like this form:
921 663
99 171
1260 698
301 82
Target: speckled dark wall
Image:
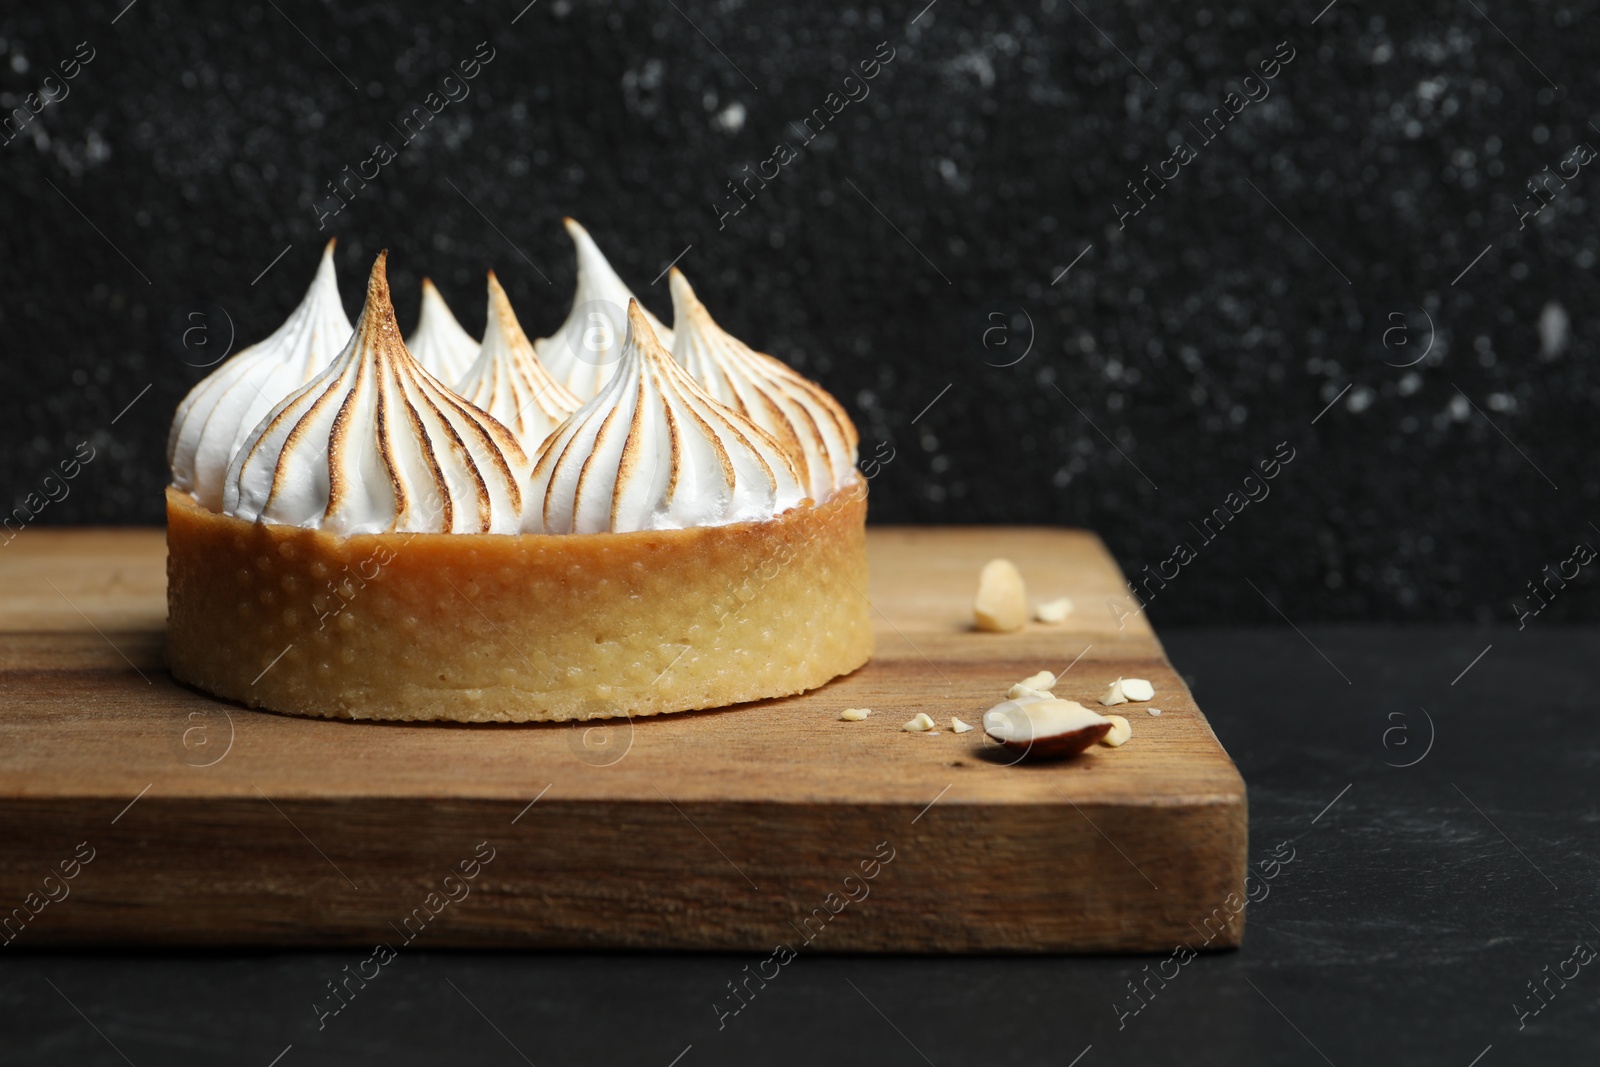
1360 216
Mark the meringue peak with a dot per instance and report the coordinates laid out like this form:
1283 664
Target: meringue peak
502 318
584 353
218 414
378 305
645 332
439 342
508 381
654 451
811 426
376 444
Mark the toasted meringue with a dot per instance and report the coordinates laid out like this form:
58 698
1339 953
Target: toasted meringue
585 352
377 444
508 381
439 343
810 424
654 451
217 416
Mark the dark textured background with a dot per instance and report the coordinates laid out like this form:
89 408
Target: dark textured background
1220 322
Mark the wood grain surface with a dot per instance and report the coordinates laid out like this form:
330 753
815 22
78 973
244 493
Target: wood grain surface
740 829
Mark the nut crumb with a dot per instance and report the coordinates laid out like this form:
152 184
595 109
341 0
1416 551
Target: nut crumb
1044 681
921 724
1022 692
854 714
1154 711
958 726
1053 611
1121 730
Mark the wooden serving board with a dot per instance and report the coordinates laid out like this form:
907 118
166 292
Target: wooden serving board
771 824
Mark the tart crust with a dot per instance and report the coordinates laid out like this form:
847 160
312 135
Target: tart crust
516 628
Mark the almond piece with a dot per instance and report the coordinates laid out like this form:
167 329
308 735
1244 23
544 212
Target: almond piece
1138 689
1033 687
854 714
1053 611
1002 601
1119 733
958 726
1114 694
1045 729
921 724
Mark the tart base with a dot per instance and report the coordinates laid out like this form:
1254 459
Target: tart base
524 628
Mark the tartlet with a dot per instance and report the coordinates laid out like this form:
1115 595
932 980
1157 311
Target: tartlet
387 550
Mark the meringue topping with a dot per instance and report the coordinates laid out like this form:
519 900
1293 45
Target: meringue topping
510 383
217 416
585 352
443 348
805 419
654 451
376 444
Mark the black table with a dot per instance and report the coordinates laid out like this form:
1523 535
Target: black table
1420 907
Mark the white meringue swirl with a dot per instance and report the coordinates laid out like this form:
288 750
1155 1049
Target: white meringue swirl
217 416
585 352
803 417
654 451
376 444
510 383
443 348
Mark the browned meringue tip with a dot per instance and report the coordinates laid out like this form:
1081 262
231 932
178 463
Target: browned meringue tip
378 311
327 249
378 280
684 303
501 311
639 328
573 227
428 286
